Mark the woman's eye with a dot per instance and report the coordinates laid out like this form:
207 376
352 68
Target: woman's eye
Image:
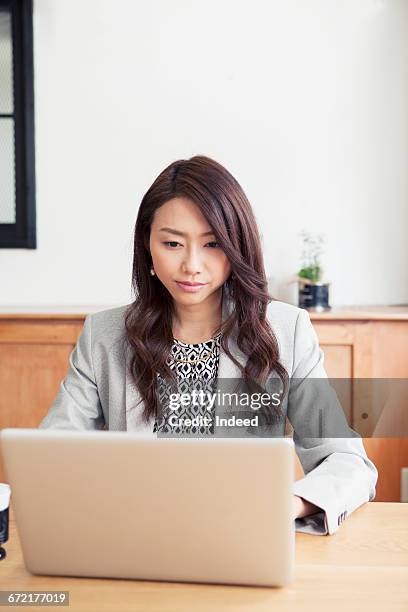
171 243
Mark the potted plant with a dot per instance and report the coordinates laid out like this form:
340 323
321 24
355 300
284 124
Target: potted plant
313 290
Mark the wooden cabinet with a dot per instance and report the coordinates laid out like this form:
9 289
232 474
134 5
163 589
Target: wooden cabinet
369 347
358 343
370 342
34 352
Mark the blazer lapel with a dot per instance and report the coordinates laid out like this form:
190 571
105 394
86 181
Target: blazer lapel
134 407
228 372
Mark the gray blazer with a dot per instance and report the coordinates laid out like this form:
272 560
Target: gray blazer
98 392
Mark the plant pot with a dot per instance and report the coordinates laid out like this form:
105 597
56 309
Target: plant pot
313 295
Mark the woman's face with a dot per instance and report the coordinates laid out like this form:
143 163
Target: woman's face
184 249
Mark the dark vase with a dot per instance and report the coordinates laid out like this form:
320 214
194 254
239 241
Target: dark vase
314 296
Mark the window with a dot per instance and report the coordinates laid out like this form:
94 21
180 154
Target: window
17 169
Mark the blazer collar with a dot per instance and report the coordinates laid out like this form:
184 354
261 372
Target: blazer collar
133 420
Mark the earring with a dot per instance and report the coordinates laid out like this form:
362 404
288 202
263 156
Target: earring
152 272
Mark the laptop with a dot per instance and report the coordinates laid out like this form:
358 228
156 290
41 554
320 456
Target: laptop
126 505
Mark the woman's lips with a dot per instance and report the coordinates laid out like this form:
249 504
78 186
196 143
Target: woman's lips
191 287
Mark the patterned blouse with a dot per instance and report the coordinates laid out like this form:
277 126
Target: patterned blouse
197 370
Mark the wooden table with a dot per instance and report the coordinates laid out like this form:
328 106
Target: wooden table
363 566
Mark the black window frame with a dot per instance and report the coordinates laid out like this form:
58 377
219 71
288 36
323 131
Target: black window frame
22 233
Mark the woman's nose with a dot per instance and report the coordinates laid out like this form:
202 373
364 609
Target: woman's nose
192 263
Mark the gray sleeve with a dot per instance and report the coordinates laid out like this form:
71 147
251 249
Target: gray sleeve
339 477
77 405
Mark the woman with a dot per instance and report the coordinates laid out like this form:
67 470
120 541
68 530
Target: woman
202 314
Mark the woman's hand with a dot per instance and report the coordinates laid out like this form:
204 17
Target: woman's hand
303 507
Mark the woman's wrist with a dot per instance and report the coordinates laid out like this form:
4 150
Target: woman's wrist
304 508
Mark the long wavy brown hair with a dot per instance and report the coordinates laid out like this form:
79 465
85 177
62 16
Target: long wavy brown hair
149 318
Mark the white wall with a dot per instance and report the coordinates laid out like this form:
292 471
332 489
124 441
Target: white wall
304 101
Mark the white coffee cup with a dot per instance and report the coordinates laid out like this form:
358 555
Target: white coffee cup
5 492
